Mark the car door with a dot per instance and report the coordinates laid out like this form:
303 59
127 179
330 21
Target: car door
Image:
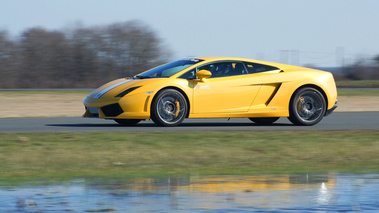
230 89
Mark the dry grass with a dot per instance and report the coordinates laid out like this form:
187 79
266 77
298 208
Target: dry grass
69 103
42 103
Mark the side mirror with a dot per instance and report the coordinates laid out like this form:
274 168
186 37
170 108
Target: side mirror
203 74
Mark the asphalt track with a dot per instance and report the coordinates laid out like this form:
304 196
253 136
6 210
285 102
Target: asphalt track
335 121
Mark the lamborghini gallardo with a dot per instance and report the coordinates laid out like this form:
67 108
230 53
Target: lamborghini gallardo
217 87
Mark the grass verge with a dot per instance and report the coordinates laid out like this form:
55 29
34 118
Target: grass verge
358 84
363 92
62 156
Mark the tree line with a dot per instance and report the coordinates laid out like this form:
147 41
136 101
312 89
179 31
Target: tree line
82 57
361 70
86 57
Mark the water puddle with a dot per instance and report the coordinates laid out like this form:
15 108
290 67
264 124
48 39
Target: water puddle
262 193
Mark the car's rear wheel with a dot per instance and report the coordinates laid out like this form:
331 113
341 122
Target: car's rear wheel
127 122
169 108
307 107
264 121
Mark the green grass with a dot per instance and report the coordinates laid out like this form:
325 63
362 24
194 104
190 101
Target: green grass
363 92
358 84
63 156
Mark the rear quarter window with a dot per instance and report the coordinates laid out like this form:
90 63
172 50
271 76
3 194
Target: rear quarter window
256 68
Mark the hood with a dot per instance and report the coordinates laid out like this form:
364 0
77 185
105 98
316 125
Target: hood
116 87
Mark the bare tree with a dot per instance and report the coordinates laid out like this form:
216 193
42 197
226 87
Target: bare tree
121 49
45 58
84 64
7 61
133 47
82 57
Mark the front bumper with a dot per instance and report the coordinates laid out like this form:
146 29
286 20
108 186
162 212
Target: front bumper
131 107
111 110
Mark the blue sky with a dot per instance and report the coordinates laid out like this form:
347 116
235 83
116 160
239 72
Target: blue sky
298 32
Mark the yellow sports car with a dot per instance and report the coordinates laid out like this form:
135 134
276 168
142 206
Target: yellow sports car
217 87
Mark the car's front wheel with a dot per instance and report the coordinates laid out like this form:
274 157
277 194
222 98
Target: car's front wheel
264 121
307 107
127 122
169 108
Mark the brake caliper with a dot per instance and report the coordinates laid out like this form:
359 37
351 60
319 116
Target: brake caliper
300 103
177 108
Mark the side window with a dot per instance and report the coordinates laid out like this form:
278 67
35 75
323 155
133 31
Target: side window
255 68
189 75
224 69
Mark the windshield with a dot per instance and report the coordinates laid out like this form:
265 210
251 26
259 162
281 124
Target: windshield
169 69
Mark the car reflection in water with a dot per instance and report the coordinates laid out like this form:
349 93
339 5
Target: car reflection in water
264 193
230 192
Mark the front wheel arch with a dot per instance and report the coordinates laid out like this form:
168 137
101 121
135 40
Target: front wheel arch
175 88
169 107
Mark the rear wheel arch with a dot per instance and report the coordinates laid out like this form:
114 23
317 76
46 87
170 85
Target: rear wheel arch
314 87
310 108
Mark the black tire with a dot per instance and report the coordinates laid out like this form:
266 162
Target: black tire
127 122
307 107
264 121
169 108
